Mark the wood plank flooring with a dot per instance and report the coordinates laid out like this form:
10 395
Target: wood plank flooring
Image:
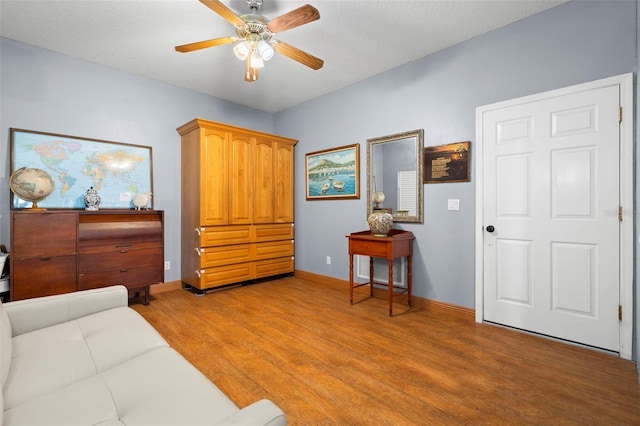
325 362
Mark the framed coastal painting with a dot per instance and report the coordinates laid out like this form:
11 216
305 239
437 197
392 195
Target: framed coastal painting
333 174
117 171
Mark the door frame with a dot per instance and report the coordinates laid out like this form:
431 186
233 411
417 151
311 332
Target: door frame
625 81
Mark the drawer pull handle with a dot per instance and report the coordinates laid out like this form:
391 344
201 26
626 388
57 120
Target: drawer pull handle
197 231
198 273
124 251
197 250
124 270
44 259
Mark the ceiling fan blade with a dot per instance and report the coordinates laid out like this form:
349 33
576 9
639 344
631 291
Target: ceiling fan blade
295 18
223 11
204 44
298 55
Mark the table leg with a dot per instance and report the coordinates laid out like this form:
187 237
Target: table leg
351 279
370 276
390 287
409 280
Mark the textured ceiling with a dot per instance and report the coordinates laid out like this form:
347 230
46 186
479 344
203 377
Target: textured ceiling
356 39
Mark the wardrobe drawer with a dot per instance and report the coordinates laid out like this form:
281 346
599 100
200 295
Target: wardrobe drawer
224 235
228 274
225 255
266 268
273 232
272 249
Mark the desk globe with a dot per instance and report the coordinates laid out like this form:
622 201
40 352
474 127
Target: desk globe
31 184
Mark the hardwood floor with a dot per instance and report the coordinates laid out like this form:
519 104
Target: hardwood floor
325 362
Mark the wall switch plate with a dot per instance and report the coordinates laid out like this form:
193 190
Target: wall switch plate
328 260
167 265
453 204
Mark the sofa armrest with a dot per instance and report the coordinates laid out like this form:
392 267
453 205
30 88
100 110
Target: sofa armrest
33 314
260 413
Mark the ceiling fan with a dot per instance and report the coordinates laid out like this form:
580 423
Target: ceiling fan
255 42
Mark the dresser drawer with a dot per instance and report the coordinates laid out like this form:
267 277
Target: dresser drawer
116 248
120 259
129 277
43 276
273 232
272 249
118 229
44 234
224 235
266 268
225 255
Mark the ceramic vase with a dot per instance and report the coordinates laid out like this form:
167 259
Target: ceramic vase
380 223
91 200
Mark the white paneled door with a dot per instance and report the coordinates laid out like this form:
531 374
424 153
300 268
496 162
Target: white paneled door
550 215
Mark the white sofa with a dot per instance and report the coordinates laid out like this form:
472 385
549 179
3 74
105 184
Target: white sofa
86 358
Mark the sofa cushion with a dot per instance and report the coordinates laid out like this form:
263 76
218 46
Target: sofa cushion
160 388
54 357
87 402
156 388
117 335
5 345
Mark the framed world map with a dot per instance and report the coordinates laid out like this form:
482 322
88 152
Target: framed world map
117 171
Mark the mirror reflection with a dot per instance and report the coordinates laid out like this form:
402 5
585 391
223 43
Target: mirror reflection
394 175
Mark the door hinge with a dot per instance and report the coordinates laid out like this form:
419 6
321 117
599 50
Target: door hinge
619 213
619 312
619 114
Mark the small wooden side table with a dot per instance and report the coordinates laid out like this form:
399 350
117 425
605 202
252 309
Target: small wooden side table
398 243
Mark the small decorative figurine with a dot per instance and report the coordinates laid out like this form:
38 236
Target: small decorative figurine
91 200
141 201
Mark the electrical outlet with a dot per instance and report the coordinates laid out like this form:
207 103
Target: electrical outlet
328 260
167 265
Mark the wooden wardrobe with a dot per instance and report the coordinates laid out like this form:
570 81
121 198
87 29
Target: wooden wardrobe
237 205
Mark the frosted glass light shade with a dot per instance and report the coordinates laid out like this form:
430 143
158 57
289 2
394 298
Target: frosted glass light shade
265 49
256 60
242 50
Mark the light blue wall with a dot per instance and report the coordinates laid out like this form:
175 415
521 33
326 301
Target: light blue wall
45 91
573 43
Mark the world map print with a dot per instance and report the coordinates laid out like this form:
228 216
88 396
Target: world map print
117 171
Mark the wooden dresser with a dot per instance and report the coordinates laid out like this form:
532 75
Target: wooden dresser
237 205
57 251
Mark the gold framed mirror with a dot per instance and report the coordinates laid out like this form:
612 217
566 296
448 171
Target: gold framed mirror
395 175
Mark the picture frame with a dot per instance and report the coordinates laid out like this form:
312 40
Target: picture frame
333 174
117 171
447 163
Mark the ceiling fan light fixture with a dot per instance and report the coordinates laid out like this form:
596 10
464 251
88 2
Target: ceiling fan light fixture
242 50
254 43
265 50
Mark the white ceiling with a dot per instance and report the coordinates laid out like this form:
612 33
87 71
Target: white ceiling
355 38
